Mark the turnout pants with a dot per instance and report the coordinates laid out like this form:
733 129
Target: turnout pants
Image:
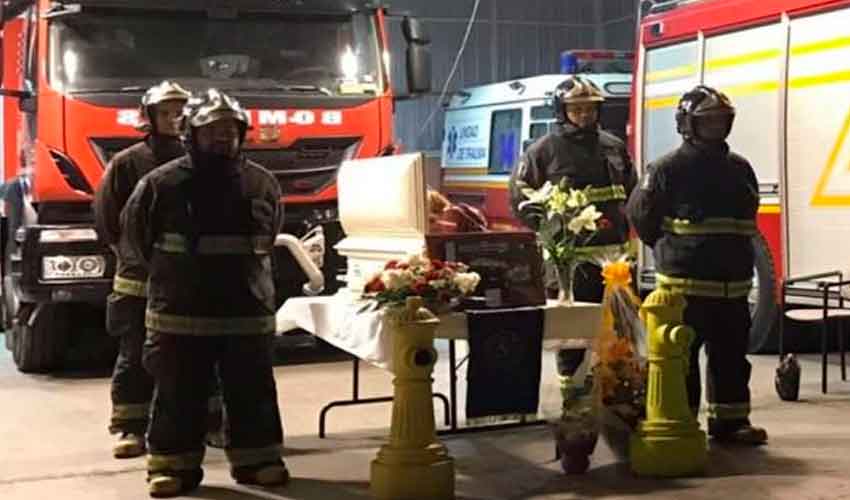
132 386
723 326
183 368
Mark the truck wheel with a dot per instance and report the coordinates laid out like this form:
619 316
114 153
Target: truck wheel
40 334
763 307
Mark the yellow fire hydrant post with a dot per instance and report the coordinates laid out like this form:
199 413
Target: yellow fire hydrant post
413 465
669 442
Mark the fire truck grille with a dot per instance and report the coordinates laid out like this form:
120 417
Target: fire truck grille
306 167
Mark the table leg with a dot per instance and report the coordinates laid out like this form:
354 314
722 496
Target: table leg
357 400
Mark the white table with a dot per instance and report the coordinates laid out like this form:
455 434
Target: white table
341 321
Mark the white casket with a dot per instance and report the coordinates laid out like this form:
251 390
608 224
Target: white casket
383 210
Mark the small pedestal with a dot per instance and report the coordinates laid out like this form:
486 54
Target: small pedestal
414 465
669 442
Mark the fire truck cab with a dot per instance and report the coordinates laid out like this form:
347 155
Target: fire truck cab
786 66
314 76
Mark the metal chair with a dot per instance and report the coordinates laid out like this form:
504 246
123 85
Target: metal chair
828 288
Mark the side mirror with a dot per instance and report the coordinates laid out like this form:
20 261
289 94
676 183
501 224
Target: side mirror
414 31
418 56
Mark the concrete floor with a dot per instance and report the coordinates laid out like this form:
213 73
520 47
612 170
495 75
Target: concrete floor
53 444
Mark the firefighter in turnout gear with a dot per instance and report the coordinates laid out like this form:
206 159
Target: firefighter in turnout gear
696 207
132 388
204 225
580 151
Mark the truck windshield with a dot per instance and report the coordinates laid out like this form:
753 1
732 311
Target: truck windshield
106 51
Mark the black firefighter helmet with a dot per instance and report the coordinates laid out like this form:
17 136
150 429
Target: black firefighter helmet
705 114
574 90
213 106
162 92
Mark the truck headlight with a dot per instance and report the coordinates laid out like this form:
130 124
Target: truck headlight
67 235
56 267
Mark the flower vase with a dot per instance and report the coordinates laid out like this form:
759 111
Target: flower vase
574 448
566 274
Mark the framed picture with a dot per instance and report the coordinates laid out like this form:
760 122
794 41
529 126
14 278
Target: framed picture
510 264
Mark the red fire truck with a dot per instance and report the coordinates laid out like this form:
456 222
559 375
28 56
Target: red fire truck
315 76
786 66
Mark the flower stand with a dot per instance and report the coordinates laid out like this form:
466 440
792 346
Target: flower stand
413 465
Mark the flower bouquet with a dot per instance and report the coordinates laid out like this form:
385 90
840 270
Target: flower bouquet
566 221
439 283
619 365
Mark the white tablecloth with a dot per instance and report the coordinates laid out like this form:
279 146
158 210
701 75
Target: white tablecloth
337 320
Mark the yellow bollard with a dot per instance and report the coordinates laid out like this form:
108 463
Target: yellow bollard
669 442
413 465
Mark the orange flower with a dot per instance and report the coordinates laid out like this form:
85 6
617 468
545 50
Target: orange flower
620 350
617 274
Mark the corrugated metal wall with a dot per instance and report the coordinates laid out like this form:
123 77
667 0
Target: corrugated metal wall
510 39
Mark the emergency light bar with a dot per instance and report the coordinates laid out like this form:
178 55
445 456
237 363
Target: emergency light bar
571 59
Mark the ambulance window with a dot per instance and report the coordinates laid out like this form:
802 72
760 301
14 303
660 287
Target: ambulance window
538 130
542 113
505 137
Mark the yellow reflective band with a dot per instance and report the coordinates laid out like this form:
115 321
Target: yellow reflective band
742 59
216 245
607 193
241 457
196 325
705 288
130 412
720 225
176 462
728 411
617 248
673 73
661 102
130 287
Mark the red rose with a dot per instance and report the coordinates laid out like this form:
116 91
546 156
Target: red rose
433 275
419 286
437 264
376 285
391 264
603 223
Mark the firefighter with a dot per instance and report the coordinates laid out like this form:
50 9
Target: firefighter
132 388
696 207
204 226
580 151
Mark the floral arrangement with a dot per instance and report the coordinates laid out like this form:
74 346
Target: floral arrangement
566 220
436 281
617 399
620 367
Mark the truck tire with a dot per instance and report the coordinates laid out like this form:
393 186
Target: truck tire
763 306
40 334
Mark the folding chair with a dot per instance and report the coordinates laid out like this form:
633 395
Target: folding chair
828 287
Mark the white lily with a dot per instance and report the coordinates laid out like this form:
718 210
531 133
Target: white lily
586 220
536 196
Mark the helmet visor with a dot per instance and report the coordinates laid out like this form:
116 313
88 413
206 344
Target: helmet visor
713 127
